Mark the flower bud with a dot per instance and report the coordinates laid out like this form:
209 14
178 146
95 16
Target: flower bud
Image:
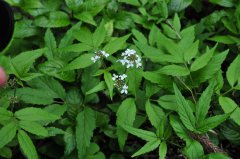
3 77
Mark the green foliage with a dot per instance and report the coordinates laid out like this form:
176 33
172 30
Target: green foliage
119 79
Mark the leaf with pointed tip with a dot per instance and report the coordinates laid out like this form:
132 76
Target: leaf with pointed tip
184 110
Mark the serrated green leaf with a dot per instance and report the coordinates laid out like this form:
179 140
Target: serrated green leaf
82 61
148 147
55 19
35 114
211 122
7 133
6 152
116 44
99 35
109 83
203 104
174 70
86 123
139 36
35 96
26 145
228 105
155 114
176 23
126 114
179 128
193 150
5 115
99 87
51 44
143 134
191 52
233 74
224 3
24 61
33 127
162 150
203 60
184 110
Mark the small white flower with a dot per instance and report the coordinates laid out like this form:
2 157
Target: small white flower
124 89
122 77
99 55
119 83
114 77
130 58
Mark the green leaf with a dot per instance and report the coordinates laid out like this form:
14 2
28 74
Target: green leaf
233 74
162 150
126 114
86 123
224 3
51 44
139 36
176 23
35 114
203 60
69 140
134 79
155 114
207 72
131 2
193 150
116 44
78 48
99 87
211 122
191 52
179 128
203 104
184 110
156 78
143 134
24 61
54 87
178 5
217 156
226 39
69 36
156 55
7 133
84 35
6 152
174 70
228 105
26 145
74 4
86 17
168 102
33 127
82 61
109 82
99 35
5 115
54 68
55 19
35 96
148 147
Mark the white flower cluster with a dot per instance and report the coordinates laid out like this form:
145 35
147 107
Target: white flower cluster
99 54
119 82
130 58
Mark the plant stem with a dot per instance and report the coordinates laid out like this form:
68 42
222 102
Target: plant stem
231 89
188 89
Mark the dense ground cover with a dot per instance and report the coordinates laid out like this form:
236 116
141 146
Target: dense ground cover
95 79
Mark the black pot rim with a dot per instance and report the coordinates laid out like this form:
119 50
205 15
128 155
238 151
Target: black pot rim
6 24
